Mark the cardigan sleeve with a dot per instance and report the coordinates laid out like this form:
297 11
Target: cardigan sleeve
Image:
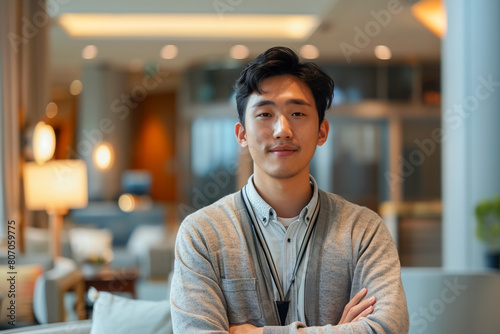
197 301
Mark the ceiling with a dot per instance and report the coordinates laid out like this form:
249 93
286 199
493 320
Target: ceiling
408 39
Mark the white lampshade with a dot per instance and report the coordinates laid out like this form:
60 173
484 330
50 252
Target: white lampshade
56 185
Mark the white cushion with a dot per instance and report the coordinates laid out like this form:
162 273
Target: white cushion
143 237
91 244
115 314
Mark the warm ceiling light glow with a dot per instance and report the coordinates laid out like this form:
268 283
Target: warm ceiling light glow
431 14
169 52
383 52
89 52
51 110
190 25
103 156
309 51
75 87
44 142
239 52
126 202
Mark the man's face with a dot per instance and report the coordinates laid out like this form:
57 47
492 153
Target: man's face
281 128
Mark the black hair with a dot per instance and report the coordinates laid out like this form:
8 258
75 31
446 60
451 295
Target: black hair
281 60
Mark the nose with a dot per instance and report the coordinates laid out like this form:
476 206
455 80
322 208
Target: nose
282 128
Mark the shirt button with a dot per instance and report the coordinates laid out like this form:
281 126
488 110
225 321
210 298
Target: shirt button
288 240
264 219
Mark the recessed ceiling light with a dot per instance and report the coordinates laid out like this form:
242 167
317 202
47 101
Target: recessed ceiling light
239 52
190 25
75 87
51 110
309 51
89 52
383 52
169 52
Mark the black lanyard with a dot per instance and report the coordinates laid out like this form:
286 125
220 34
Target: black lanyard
284 302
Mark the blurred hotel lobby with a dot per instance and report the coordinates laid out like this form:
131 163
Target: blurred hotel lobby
117 121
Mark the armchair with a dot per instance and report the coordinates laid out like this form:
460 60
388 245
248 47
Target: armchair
58 276
50 288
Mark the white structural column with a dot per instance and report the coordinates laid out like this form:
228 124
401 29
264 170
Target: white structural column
471 124
104 117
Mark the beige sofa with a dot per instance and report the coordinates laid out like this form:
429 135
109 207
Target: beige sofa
77 327
439 301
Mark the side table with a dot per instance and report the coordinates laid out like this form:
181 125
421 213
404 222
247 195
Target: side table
110 279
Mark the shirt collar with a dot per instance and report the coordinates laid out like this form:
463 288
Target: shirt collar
264 212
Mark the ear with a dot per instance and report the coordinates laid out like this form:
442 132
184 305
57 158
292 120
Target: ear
241 135
324 128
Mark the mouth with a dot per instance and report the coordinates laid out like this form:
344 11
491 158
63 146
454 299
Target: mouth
283 150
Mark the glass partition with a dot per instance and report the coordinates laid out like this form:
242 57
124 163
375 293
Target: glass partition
214 160
353 161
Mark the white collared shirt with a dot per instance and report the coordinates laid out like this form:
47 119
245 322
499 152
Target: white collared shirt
284 244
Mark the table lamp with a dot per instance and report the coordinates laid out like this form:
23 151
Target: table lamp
55 186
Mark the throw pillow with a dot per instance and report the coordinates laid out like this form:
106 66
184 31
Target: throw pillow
91 245
115 314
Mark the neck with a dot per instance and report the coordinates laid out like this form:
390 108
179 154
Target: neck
286 196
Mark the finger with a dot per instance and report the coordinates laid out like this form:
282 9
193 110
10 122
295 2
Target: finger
358 309
366 312
353 302
356 299
359 296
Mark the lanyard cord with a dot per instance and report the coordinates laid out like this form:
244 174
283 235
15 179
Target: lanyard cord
303 247
263 245
260 237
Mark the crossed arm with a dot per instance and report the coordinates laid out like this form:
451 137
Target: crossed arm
353 311
199 303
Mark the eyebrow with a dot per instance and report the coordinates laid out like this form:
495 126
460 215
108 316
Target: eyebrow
290 101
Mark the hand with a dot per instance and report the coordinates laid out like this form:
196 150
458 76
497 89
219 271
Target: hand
356 308
245 329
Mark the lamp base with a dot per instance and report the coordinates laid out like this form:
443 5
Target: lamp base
55 226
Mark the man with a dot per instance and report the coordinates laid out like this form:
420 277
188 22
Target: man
282 256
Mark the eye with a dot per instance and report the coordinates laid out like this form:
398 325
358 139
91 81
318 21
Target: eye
298 114
264 114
